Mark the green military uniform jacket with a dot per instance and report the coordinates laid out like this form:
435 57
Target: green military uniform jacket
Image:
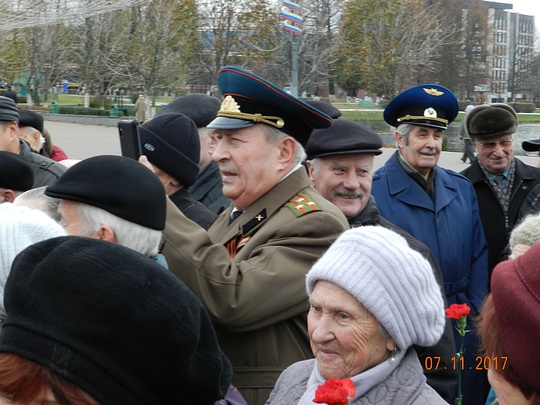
258 298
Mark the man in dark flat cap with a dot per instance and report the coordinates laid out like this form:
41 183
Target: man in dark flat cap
171 143
202 109
16 176
46 171
113 198
502 183
437 206
249 268
340 165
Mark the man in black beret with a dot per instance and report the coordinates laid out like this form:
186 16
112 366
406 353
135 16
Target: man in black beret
113 198
171 143
97 319
46 171
249 268
340 165
202 109
16 176
503 184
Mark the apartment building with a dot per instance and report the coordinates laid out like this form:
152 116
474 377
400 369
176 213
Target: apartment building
512 49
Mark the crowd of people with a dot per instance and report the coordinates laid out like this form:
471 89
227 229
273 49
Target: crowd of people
253 255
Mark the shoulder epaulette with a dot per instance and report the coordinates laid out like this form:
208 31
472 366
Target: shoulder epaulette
302 204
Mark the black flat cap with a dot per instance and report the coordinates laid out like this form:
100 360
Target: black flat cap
532 145
114 323
200 108
250 99
32 119
429 105
15 172
326 108
490 120
116 184
344 137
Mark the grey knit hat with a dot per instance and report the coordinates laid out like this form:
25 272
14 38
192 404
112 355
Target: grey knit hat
395 283
8 110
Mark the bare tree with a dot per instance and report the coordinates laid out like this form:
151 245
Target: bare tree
235 32
318 50
161 39
383 47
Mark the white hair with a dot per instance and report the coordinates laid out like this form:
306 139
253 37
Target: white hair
37 199
134 236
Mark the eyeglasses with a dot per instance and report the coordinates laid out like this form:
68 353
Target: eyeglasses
505 143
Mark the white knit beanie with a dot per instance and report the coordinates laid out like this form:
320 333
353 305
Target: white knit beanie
21 227
395 283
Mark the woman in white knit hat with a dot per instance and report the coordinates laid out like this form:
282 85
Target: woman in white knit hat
21 227
371 298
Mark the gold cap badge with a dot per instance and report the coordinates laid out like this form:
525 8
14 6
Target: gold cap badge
231 109
433 92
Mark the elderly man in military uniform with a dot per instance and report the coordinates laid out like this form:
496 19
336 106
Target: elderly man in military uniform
437 206
249 269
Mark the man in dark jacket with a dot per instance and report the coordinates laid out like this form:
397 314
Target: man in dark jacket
202 109
171 144
502 183
340 166
46 171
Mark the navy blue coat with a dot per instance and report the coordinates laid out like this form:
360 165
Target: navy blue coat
450 227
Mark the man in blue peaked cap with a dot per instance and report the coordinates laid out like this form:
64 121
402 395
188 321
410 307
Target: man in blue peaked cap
249 268
437 206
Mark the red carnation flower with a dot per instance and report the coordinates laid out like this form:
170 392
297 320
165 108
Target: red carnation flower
335 392
456 311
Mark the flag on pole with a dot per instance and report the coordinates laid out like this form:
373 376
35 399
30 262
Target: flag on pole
291 14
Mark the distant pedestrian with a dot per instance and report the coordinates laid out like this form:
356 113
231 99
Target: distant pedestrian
140 108
468 150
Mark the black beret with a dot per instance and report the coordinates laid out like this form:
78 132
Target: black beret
116 184
249 99
114 323
8 110
171 142
532 145
15 172
429 105
32 119
200 108
326 108
344 137
490 120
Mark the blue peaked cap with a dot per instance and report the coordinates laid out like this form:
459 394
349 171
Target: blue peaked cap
428 105
250 99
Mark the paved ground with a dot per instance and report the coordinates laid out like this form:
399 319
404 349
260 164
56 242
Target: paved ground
80 141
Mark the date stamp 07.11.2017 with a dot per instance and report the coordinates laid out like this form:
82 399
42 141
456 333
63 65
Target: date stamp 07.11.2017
482 363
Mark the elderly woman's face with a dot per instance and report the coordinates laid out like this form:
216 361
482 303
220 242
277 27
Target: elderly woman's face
345 337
